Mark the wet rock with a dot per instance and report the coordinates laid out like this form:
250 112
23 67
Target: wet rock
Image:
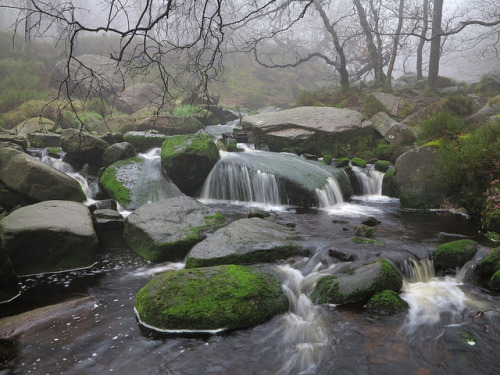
188 159
166 230
116 152
108 225
11 139
258 213
417 179
371 222
26 180
144 140
9 287
389 186
342 255
82 148
387 302
64 228
44 139
138 96
489 265
359 285
210 299
452 255
245 241
394 132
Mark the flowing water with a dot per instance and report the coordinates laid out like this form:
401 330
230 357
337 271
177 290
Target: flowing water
452 326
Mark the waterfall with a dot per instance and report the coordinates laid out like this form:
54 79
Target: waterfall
330 195
237 183
418 271
368 181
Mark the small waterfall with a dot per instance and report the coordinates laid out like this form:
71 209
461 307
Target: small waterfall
237 183
418 271
330 195
368 181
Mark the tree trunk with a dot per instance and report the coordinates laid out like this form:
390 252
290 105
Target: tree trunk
372 49
28 25
395 45
421 42
435 46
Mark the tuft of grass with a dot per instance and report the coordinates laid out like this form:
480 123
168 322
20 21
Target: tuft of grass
441 125
189 110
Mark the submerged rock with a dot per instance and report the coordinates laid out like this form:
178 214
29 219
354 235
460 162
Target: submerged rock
26 180
387 302
452 255
359 285
245 241
188 159
166 230
210 299
49 237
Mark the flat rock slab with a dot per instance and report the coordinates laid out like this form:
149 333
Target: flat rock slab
245 241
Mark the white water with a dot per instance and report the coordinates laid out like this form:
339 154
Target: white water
330 195
369 180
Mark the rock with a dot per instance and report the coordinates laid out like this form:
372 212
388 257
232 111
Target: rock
245 241
417 179
108 225
188 159
409 78
143 141
382 165
396 106
117 152
170 125
387 302
136 181
342 255
138 96
494 283
82 148
210 299
255 212
389 187
359 285
358 162
91 76
314 130
64 228
341 162
490 83
492 108
371 222
166 230
9 287
43 140
393 132
27 180
487 267
11 139
452 255
35 125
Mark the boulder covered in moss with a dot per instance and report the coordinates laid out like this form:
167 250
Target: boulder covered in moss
358 162
452 255
210 299
489 265
495 281
245 241
389 186
49 236
166 230
144 140
34 125
387 302
359 285
26 180
188 159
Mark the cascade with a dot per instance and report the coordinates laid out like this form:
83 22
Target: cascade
330 195
418 270
368 181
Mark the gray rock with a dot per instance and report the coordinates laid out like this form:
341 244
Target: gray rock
166 230
245 241
144 140
34 125
27 180
138 96
9 138
490 83
393 131
417 179
44 139
492 108
9 287
82 148
108 225
49 236
392 103
116 152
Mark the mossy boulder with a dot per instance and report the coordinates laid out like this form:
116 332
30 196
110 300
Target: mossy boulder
210 299
117 179
188 159
341 162
34 125
489 265
387 302
359 285
49 236
389 186
382 165
454 254
245 241
491 218
166 230
495 281
358 162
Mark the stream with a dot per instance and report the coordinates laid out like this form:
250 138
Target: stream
104 336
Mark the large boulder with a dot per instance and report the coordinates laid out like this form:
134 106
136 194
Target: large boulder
82 148
26 180
9 138
395 105
49 236
170 125
492 108
136 181
316 130
359 285
188 159
138 96
210 299
489 265
454 254
90 76
144 140
490 83
166 230
34 125
417 179
245 241
393 131
9 287
42 140
117 152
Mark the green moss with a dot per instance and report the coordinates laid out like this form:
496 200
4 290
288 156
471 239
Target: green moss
116 189
384 151
227 297
263 256
454 254
189 110
363 230
411 200
367 241
489 265
372 106
387 302
341 162
327 289
382 165
195 143
389 186
358 162
495 281
327 159
53 150
493 236
491 220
